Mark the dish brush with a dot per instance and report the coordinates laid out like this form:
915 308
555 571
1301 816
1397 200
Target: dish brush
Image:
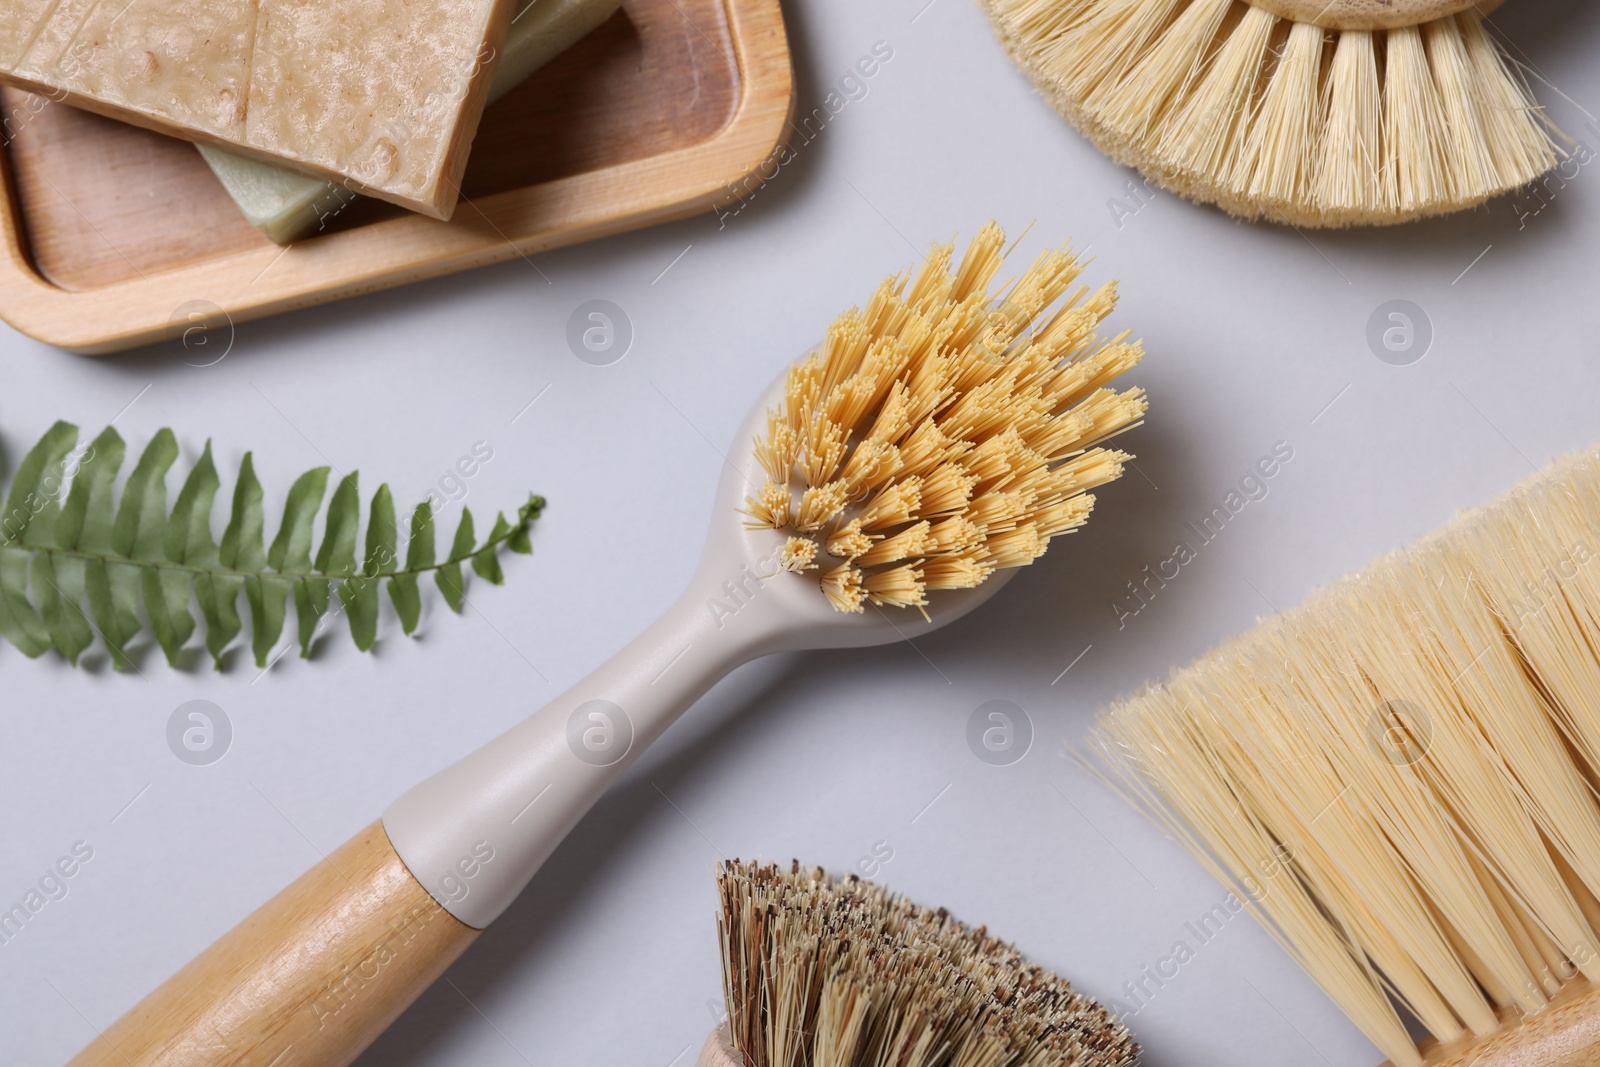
836 972
1312 113
938 439
1398 778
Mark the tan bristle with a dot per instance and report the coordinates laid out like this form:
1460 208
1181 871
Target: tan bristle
849 541
900 586
946 490
819 505
910 543
799 554
777 450
771 508
1399 776
958 534
896 504
940 402
955 572
1223 102
1013 548
842 587
823 971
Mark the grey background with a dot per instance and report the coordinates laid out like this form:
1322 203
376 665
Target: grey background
1256 335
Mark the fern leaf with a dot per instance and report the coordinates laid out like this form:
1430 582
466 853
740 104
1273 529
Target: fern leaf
419 557
31 493
187 539
360 593
485 564
218 592
448 577
65 537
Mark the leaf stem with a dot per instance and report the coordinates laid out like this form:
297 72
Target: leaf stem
228 572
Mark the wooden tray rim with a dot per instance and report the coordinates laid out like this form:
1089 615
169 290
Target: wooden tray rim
394 252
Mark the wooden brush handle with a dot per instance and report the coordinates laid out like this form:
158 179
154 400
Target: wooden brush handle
1565 1034
1370 14
308 980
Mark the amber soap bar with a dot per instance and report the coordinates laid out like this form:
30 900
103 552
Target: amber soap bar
382 96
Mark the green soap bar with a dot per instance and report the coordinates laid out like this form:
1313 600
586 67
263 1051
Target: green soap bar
286 205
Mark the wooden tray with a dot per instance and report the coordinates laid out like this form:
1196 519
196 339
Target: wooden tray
109 230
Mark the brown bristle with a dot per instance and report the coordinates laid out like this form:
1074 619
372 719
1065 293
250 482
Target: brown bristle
821 971
945 400
1399 776
1225 102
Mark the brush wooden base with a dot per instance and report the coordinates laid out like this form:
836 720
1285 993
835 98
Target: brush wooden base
1565 1034
309 979
718 1050
1370 14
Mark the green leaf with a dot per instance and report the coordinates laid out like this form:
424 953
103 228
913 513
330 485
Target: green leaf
266 595
382 534
419 557
59 589
86 523
112 610
19 623
291 549
519 541
166 604
86 519
310 604
115 550
485 561
188 541
337 556
420 552
360 594
360 598
37 481
241 549
142 519
29 517
448 577
188 538
241 541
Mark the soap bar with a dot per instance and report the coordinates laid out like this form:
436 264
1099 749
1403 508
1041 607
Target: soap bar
382 96
286 206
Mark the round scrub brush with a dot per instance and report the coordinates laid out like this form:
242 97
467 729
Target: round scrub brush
836 972
1307 112
939 439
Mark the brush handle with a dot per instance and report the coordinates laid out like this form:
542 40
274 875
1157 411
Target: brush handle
311 977
475 833
1370 14
1565 1034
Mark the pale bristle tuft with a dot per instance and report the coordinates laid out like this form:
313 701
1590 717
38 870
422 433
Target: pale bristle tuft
799 554
1225 103
842 587
1399 776
946 431
824 971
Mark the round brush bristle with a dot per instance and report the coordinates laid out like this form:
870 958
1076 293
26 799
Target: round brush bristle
943 433
837 972
1224 102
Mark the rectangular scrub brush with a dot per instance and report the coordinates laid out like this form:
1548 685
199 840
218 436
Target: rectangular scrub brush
1400 777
